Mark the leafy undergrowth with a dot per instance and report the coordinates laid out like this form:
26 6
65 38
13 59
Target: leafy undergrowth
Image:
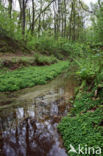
85 101
84 125
45 60
59 47
10 45
30 76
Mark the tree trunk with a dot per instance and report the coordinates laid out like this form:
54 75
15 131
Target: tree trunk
10 7
23 17
74 21
55 20
65 18
39 26
33 16
59 16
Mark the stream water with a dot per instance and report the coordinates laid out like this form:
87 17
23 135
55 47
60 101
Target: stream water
29 128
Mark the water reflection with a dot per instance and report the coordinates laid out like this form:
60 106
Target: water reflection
31 130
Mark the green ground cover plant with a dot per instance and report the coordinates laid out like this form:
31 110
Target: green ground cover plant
45 60
83 129
30 76
84 123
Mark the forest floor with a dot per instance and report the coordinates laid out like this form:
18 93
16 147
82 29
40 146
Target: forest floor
14 61
11 56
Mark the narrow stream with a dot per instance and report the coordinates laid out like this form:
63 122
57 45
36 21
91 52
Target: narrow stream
30 128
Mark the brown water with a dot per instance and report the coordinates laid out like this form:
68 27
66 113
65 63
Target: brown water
29 127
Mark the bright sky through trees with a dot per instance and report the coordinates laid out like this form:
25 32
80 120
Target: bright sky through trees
86 1
89 1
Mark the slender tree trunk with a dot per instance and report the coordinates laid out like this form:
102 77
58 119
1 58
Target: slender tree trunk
55 20
74 21
23 18
62 33
22 4
39 25
65 18
70 23
33 16
10 7
43 21
59 16
20 15
29 15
